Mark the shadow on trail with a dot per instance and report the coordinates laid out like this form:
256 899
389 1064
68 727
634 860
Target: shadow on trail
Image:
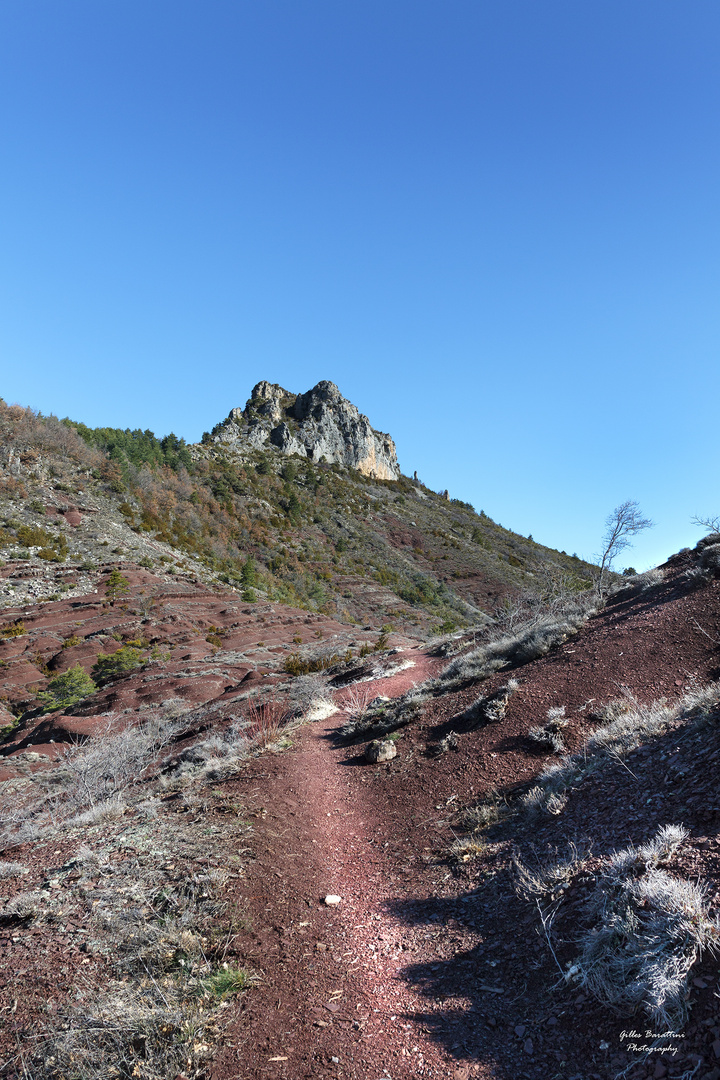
355 761
479 996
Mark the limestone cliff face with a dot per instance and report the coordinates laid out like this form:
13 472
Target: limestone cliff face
320 424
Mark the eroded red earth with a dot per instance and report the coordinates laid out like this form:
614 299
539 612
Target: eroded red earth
427 966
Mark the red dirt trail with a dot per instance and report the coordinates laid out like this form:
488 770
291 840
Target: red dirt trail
336 971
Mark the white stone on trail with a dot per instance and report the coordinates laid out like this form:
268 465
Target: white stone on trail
332 900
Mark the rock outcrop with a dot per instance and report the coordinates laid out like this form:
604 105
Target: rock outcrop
320 424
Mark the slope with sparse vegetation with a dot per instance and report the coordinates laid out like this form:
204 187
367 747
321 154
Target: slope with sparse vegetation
295 531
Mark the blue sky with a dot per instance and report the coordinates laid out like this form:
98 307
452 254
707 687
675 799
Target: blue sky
493 225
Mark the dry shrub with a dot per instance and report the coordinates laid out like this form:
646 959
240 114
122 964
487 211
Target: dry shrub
649 929
89 784
447 743
639 583
223 753
490 708
527 642
216 757
109 810
381 715
307 693
643 928
547 738
356 700
710 540
710 559
650 579
696 576
100 770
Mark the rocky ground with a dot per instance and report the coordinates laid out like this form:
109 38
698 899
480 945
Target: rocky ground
123 915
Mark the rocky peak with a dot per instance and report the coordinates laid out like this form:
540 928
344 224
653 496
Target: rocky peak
320 424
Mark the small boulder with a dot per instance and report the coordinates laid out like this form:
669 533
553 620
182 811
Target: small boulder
381 750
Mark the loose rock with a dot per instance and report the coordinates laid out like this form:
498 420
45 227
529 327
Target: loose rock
381 750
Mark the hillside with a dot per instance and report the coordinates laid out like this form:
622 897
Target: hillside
519 818
323 537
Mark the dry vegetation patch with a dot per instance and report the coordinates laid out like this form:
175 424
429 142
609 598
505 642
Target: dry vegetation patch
146 888
149 898
643 928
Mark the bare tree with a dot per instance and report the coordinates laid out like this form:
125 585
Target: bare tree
712 524
625 521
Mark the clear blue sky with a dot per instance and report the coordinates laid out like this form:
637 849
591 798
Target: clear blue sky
493 224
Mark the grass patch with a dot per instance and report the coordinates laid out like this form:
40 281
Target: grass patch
229 981
630 725
530 641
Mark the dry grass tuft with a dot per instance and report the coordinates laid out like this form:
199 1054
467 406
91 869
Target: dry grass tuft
265 720
485 813
644 929
547 738
12 869
465 849
650 929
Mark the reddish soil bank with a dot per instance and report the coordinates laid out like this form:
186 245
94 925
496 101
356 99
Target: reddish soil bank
197 647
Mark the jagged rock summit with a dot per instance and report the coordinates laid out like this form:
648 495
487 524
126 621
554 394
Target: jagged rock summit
320 424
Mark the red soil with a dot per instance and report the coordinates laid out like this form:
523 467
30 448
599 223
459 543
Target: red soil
429 967
248 642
